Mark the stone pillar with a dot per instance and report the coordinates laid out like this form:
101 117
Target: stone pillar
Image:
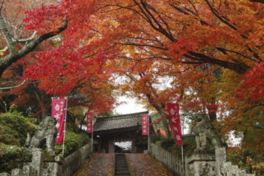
220 157
37 161
200 164
16 172
111 148
52 169
26 170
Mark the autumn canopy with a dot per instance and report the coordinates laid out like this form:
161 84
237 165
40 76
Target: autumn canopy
207 55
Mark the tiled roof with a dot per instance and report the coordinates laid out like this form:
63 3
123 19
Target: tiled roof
118 122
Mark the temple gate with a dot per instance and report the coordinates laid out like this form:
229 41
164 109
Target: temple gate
120 128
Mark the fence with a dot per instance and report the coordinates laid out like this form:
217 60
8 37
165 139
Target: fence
198 164
172 162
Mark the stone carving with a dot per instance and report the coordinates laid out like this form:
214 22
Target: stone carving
200 164
206 169
27 143
46 131
205 136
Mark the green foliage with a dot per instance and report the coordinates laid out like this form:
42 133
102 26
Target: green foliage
13 131
247 159
169 144
14 128
73 141
156 138
9 135
11 156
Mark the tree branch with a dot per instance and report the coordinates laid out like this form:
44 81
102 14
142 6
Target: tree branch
259 1
142 45
12 87
24 40
6 61
7 36
237 67
221 18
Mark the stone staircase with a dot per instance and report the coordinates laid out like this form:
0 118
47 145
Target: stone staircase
121 167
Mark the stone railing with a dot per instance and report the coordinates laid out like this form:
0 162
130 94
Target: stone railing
72 162
62 167
198 164
172 162
212 164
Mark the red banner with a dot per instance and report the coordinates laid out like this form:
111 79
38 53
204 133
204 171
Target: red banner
145 125
58 111
175 122
89 122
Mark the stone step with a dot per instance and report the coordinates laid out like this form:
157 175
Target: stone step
121 167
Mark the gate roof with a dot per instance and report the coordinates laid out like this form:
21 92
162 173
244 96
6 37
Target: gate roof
118 122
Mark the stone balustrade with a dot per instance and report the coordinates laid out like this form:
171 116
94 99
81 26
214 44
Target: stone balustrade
198 164
172 162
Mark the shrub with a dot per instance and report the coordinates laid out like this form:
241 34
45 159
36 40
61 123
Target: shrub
169 144
11 156
14 128
249 160
155 138
73 141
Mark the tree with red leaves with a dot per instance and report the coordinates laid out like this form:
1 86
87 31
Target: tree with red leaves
65 56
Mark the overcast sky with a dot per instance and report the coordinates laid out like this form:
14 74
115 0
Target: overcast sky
128 106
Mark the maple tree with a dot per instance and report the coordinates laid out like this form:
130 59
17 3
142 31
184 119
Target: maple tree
196 45
71 62
211 50
16 47
81 71
194 32
191 32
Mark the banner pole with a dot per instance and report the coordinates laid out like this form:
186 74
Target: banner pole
182 149
182 153
148 134
65 125
92 141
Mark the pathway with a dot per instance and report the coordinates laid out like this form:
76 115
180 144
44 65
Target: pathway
99 164
121 166
145 165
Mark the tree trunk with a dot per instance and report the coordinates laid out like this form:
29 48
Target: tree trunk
40 102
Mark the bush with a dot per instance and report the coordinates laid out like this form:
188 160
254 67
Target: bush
170 145
73 141
11 156
156 138
167 143
13 132
14 128
249 160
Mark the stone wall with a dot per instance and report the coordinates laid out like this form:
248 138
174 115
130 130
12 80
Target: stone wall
60 167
